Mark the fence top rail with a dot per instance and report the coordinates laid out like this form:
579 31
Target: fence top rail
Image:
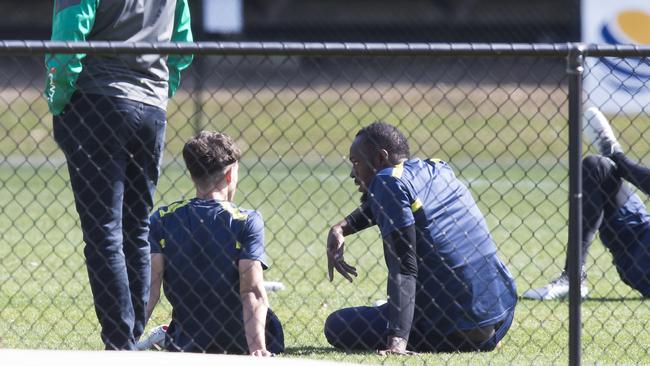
325 49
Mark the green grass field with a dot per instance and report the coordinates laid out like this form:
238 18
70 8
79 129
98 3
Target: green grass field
294 171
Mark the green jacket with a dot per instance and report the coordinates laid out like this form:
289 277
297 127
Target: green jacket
150 79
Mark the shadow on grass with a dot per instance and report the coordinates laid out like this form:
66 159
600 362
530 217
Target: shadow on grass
313 350
590 299
614 299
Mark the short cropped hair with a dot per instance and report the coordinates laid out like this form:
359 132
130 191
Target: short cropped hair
209 153
380 135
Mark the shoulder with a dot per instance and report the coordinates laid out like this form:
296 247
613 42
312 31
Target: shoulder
394 177
393 172
163 211
254 221
438 164
421 171
244 220
390 186
241 214
388 175
407 169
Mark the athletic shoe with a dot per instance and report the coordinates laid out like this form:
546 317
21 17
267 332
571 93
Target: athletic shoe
557 289
273 286
379 303
156 339
599 133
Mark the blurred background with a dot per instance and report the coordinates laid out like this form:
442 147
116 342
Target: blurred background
348 20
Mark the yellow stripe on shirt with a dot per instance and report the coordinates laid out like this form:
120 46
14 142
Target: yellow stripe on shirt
416 205
173 207
233 210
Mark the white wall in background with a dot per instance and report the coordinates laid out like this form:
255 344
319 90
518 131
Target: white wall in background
223 16
614 84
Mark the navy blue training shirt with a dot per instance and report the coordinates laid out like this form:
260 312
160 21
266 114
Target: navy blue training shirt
461 283
627 236
202 242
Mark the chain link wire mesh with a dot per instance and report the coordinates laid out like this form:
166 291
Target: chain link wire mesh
500 122
616 270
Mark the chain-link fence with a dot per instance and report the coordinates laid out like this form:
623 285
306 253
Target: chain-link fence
498 115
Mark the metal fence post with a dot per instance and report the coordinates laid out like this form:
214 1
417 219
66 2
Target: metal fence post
574 70
199 87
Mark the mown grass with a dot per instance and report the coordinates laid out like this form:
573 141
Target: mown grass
46 301
507 144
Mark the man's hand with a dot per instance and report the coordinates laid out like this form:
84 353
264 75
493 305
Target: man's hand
262 353
335 249
396 346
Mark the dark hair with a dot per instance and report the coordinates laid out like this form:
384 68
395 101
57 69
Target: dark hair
209 153
381 135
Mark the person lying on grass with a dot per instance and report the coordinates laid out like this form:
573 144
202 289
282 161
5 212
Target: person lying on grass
611 208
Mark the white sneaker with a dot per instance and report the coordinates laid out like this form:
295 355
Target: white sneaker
273 286
155 339
557 289
599 132
379 303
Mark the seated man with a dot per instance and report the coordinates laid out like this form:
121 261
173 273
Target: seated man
611 208
447 289
203 250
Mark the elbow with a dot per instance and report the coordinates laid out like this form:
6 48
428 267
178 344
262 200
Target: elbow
404 265
254 293
408 269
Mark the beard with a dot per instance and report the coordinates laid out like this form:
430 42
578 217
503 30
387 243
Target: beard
364 197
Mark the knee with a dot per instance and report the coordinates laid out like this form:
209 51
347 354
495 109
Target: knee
594 163
591 162
597 170
333 327
336 326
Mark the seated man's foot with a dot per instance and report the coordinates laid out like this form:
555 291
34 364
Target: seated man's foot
379 302
557 289
273 286
599 132
155 339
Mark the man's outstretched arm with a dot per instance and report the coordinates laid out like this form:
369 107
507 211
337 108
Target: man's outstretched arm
255 305
358 220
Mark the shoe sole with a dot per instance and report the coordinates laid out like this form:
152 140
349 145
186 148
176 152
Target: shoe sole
604 132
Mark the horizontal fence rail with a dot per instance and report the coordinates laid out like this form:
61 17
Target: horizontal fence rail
326 48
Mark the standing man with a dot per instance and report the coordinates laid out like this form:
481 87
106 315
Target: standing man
447 289
209 255
109 120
